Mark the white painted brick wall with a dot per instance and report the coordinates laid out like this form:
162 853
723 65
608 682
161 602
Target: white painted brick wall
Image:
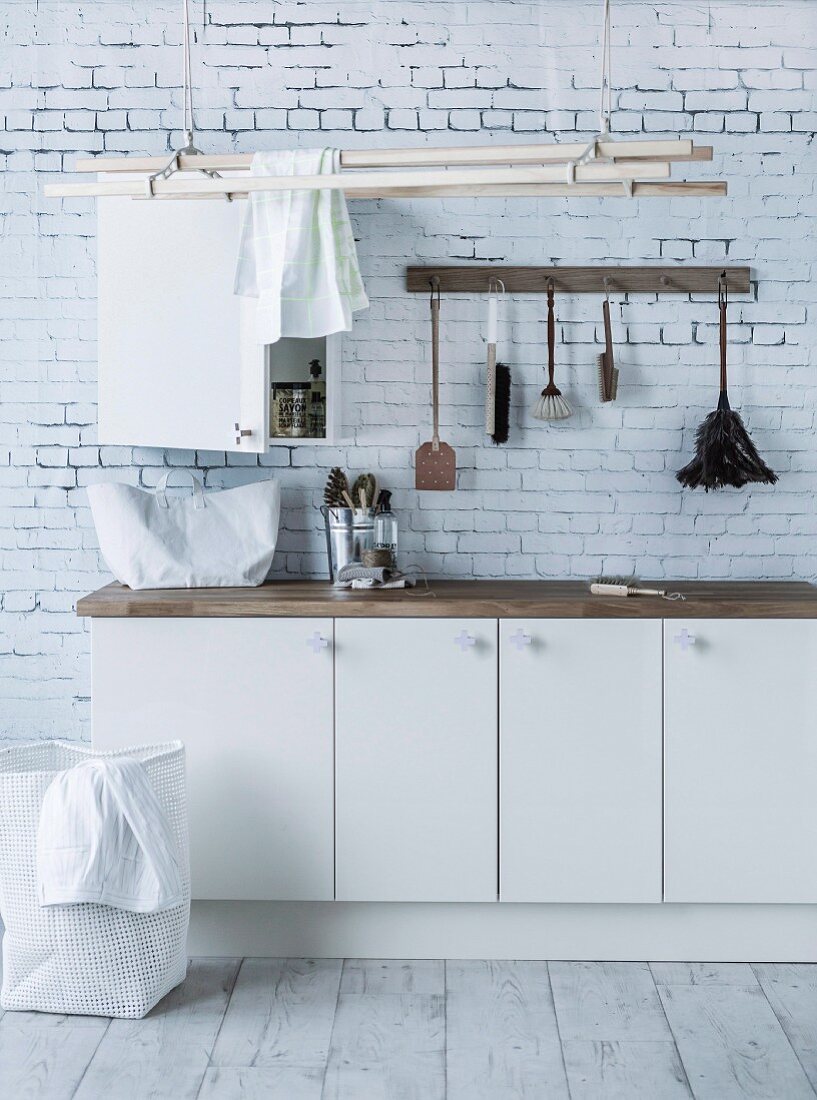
596 493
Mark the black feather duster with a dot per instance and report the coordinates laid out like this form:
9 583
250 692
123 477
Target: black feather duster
724 452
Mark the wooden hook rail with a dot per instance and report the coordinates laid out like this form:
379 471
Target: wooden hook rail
580 280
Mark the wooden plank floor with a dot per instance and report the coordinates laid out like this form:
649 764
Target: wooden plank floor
322 1029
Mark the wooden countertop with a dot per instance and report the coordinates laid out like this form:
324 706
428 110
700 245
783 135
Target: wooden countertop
461 599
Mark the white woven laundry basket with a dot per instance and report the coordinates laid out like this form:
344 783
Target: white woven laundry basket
87 958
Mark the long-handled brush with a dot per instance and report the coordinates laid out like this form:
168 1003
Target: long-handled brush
724 452
551 405
498 375
607 369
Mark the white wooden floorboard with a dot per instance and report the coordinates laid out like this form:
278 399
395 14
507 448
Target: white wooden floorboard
44 1062
607 1001
274 1083
732 1045
791 990
165 1055
384 1030
387 1047
393 976
280 1013
624 1070
703 974
502 1040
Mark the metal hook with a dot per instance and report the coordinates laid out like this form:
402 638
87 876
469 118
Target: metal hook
607 284
495 282
434 283
723 289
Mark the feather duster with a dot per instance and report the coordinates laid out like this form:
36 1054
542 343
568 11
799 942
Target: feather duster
724 452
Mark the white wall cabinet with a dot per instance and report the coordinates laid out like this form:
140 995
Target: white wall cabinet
416 750
740 726
252 700
179 364
580 760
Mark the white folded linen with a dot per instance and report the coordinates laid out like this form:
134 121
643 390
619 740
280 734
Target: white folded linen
297 252
103 837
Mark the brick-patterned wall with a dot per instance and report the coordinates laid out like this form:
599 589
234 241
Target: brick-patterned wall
596 493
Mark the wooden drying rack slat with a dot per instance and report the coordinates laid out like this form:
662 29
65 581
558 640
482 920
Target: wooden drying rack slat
580 280
421 157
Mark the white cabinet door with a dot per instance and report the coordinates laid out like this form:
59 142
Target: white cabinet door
252 701
178 360
741 761
580 760
416 758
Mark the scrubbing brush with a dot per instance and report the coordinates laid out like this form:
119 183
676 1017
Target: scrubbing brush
608 379
551 405
336 493
607 370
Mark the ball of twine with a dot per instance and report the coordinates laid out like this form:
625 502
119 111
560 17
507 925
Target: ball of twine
377 559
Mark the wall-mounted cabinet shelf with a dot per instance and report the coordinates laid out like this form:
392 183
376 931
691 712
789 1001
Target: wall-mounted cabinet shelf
179 365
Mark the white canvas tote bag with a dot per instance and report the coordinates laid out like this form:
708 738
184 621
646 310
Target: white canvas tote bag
208 540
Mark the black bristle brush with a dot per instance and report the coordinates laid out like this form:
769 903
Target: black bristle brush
724 452
502 404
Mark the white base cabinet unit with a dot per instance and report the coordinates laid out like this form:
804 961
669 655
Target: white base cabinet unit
513 742
580 760
416 745
740 722
252 701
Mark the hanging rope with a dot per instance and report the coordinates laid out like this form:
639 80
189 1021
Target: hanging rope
605 107
189 149
605 88
187 88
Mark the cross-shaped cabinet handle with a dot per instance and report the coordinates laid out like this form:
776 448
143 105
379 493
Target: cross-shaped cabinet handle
520 639
685 640
240 433
317 642
465 640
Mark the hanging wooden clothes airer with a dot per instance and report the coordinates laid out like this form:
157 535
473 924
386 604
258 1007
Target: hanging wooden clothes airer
498 375
601 167
435 463
724 453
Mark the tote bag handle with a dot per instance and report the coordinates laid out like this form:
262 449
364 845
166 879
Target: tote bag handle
198 489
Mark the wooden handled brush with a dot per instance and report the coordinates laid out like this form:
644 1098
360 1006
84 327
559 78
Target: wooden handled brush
498 375
551 405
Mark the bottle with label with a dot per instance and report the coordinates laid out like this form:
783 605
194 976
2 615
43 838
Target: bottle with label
385 527
317 401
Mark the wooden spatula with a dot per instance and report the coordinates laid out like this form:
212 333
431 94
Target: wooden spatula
435 463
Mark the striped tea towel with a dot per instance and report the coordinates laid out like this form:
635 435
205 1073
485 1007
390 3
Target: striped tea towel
297 253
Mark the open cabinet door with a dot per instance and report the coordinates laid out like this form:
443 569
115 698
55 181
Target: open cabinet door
178 361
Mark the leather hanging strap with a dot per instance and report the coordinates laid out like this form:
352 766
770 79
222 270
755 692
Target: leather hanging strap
551 333
435 365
